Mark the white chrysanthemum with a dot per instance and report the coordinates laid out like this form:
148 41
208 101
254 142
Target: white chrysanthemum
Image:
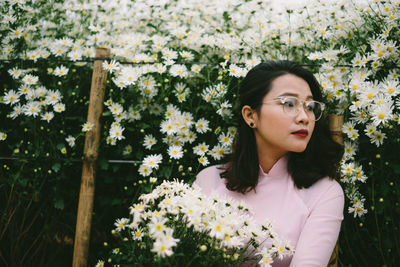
161 248
201 125
48 116
358 209
377 138
30 79
70 140
382 113
196 68
178 70
116 108
236 71
218 152
130 74
186 55
175 152
11 97
3 136
350 149
266 257
121 224
145 170
53 97
87 126
59 107
152 161
32 108
225 139
168 127
149 141
137 234
15 72
17 110
61 71
116 132
201 149
203 161
112 66
225 109
168 54
157 226
75 55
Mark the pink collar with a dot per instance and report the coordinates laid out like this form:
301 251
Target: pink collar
279 168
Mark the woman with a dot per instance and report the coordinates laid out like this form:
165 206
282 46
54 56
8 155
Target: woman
284 161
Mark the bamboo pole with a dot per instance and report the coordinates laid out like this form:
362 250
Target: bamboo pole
335 127
92 138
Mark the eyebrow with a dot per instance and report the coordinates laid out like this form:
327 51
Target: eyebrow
295 95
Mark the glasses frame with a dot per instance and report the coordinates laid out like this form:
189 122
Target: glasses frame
282 102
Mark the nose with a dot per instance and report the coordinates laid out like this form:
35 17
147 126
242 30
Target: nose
302 116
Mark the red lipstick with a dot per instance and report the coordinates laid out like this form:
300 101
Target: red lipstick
301 133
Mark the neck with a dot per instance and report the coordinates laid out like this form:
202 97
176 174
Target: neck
267 160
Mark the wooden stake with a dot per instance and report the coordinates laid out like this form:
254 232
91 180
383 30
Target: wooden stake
92 138
335 126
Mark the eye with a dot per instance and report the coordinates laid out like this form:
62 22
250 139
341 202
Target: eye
289 102
310 105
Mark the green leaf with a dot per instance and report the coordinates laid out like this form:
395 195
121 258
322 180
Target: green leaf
60 146
59 203
165 172
103 164
56 167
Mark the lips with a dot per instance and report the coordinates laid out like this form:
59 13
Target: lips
301 133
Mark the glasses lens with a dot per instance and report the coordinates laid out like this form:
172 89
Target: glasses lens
292 105
316 108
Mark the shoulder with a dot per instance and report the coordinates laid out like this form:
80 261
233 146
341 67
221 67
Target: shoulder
329 187
209 178
327 184
323 191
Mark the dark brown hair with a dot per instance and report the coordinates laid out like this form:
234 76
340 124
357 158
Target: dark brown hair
320 158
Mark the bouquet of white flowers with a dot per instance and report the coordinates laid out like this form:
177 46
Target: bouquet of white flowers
177 225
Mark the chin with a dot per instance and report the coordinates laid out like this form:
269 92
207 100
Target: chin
299 149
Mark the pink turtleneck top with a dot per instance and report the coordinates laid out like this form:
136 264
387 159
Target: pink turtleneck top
309 218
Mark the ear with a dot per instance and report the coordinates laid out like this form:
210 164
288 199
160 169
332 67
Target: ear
249 116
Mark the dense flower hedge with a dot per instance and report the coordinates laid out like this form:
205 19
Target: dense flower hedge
169 107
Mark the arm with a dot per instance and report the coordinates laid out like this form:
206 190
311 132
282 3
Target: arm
321 230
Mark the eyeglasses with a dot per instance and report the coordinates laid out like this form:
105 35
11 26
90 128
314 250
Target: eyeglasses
291 106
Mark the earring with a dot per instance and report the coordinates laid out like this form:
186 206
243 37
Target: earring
251 124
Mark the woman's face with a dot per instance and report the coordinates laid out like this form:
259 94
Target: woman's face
277 132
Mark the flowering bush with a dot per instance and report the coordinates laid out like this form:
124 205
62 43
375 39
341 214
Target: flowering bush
171 91
177 225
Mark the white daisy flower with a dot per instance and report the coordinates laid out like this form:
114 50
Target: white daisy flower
11 97
152 161
175 152
116 132
70 140
112 66
149 141
32 108
61 71
121 224
48 116
59 107
87 126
